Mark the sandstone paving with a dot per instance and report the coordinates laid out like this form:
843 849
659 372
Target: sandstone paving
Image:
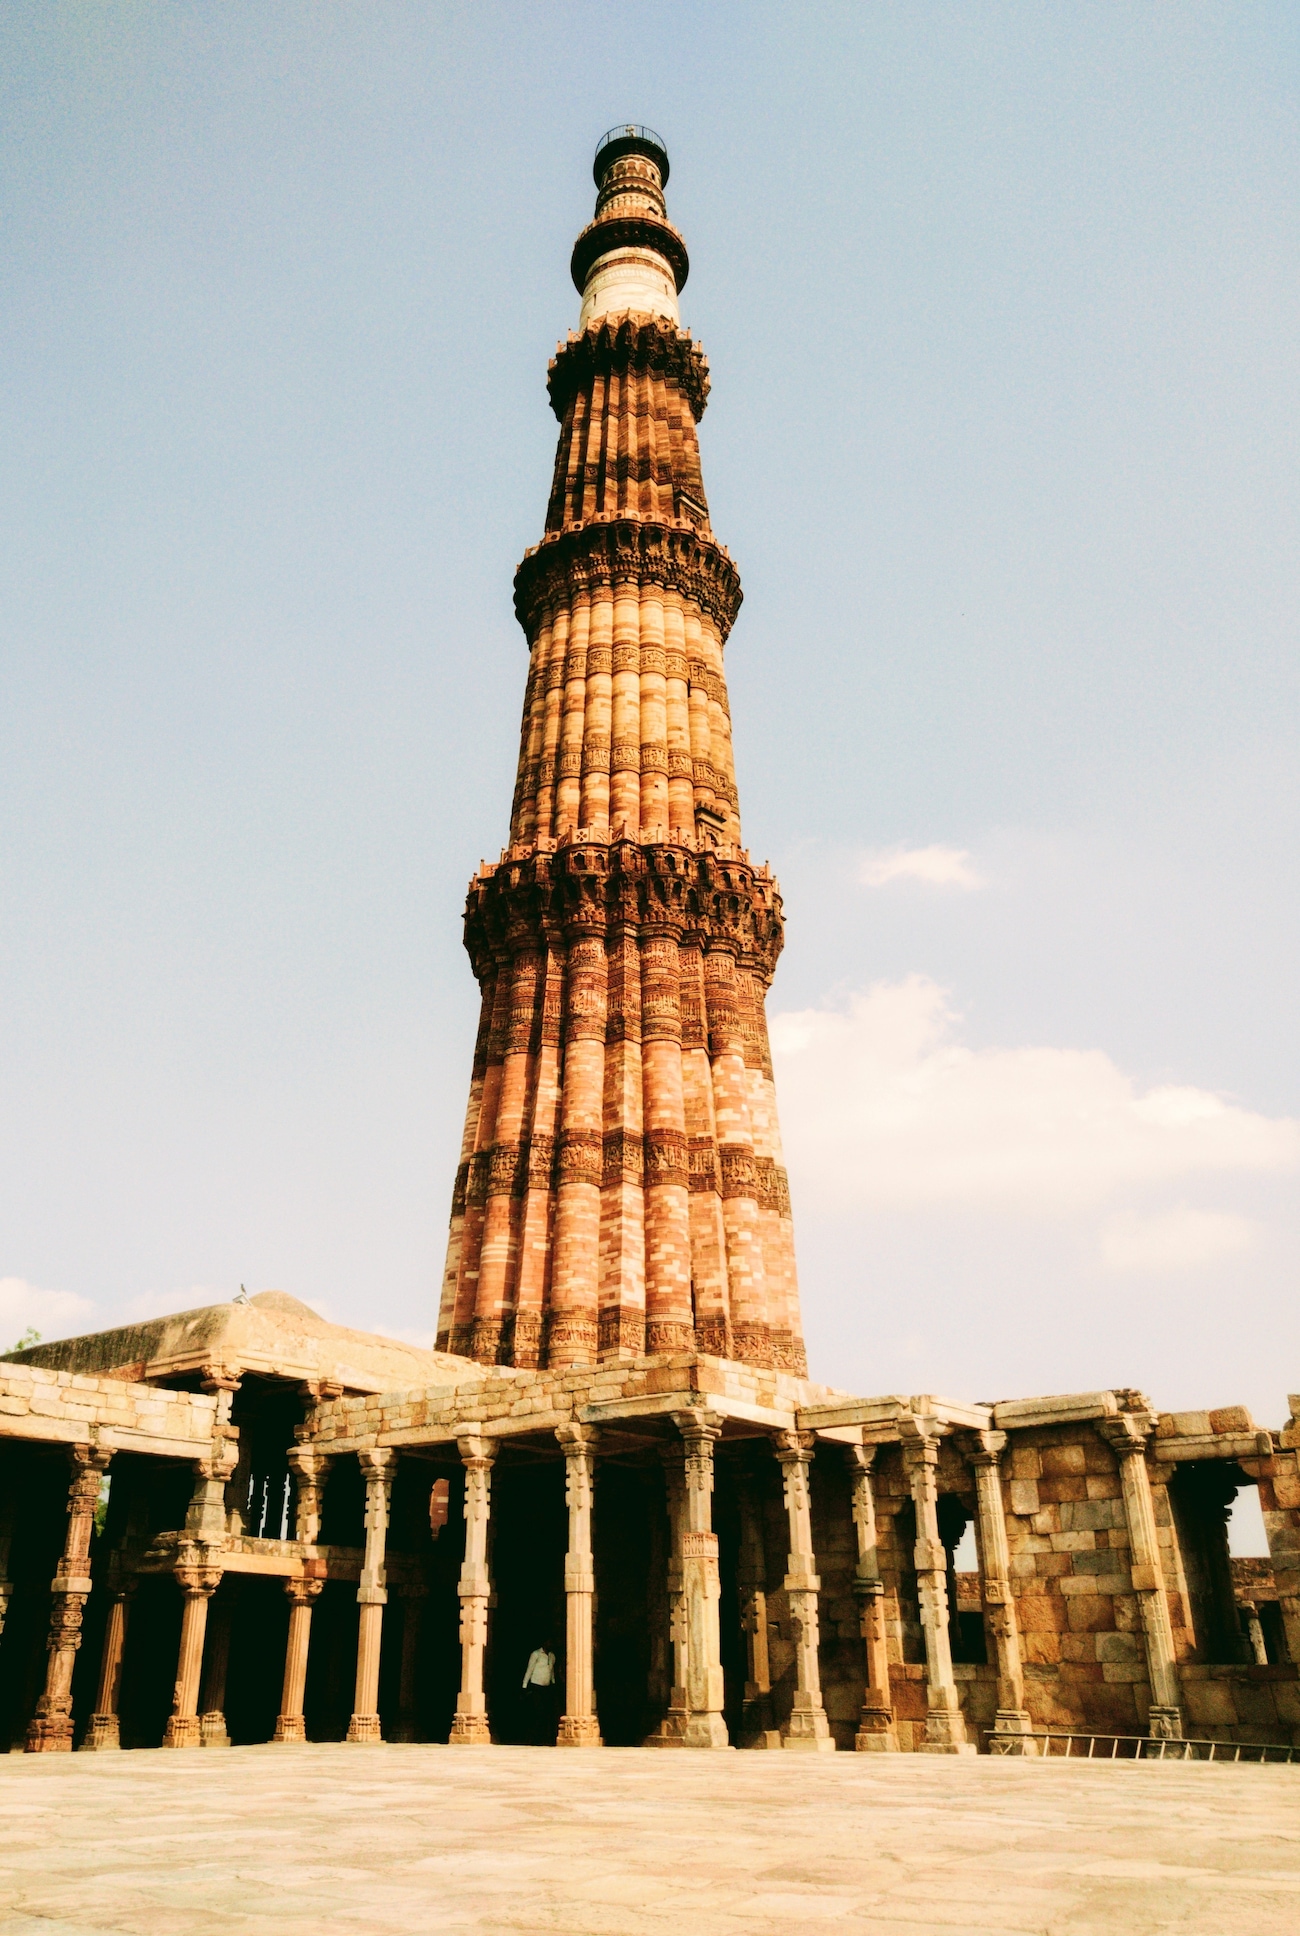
625 1842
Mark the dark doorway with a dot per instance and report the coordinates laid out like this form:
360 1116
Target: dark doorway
259 1629
153 1640
530 1535
626 1498
332 1662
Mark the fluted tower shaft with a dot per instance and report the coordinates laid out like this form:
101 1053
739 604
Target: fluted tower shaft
621 1189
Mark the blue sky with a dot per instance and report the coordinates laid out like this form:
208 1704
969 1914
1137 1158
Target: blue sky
1000 304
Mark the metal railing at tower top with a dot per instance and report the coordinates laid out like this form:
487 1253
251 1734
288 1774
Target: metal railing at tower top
631 130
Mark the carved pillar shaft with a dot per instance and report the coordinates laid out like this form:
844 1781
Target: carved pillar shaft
303 1594
1127 1435
51 1727
945 1730
311 1470
701 1586
216 1666
377 1468
198 1579
104 1729
758 1730
672 1729
413 1599
807 1727
579 1728
984 1450
471 1723
876 1732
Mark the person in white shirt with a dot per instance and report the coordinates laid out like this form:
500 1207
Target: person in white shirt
539 1697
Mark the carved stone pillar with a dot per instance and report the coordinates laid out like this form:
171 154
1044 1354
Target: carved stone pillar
303 1595
701 1586
579 1727
377 1469
470 1726
671 1731
945 1729
51 1727
876 1732
104 1728
198 1574
984 1451
1127 1435
216 1665
757 1728
412 1597
807 1727
311 1470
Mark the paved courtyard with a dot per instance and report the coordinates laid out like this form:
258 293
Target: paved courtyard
620 1842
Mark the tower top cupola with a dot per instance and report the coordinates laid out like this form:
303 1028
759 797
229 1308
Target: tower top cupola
630 257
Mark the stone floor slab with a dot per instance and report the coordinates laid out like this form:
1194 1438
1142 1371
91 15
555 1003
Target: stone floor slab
624 1842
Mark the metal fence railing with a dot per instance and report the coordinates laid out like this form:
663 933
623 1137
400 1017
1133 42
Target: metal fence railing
1069 1745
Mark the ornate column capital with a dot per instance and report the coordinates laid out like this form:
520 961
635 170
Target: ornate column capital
577 1438
378 1463
982 1448
1128 1434
478 1454
795 1448
301 1592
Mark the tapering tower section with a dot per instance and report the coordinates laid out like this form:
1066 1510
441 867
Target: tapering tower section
621 1190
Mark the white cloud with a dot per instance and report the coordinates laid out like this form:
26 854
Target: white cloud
884 1108
55 1314
936 866
1181 1239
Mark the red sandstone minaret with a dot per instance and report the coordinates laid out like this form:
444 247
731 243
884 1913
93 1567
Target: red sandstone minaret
621 1189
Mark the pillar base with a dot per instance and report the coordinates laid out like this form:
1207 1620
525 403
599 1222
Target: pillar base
50 1734
579 1731
945 1733
671 1732
183 1731
364 1728
1011 1733
761 1738
212 1728
876 1732
1164 1724
470 1731
104 1731
705 1730
289 1727
808 1731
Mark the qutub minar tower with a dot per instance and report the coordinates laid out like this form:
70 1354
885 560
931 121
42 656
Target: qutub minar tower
245 1524
621 1189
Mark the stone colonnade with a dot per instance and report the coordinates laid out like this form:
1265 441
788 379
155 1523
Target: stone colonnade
694 1716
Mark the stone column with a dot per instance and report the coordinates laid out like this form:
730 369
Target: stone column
377 1468
104 1729
213 1732
671 1731
303 1594
701 1587
945 1730
807 1727
876 1732
1127 1436
757 1729
412 1598
579 1727
470 1726
311 1471
51 1726
198 1578
984 1451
